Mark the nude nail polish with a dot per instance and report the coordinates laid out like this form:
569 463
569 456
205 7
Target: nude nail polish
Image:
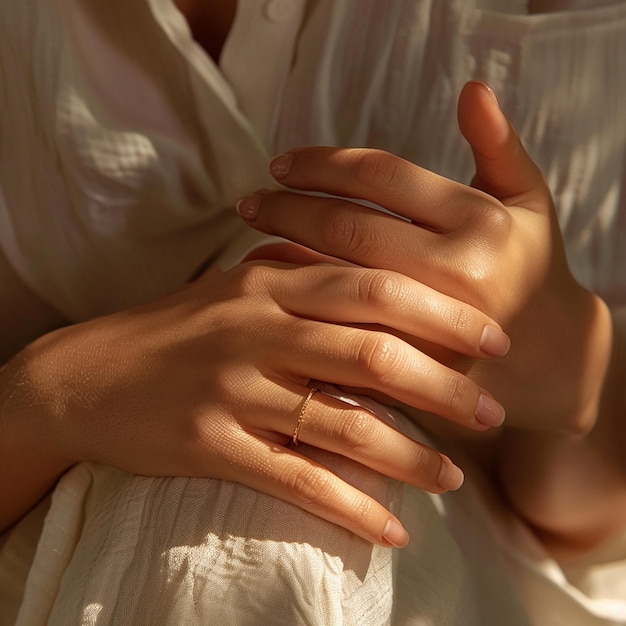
280 165
494 342
248 206
395 534
488 411
450 476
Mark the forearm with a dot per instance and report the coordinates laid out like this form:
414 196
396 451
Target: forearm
28 467
572 487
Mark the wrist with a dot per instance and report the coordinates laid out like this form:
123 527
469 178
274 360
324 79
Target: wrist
31 416
596 388
29 466
574 491
568 378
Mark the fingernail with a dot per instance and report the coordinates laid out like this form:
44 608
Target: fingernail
491 93
486 87
395 534
488 411
248 206
494 342
450 476
280 165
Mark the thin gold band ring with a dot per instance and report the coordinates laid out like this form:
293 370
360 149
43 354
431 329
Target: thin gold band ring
305 404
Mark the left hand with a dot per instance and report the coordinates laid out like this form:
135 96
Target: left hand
495 245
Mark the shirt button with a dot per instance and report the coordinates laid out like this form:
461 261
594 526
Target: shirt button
280 10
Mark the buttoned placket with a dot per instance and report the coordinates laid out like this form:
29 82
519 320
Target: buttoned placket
257 57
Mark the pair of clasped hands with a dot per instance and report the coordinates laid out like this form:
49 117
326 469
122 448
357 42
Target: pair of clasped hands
462 308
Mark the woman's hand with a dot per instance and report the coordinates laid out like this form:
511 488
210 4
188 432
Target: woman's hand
210 380
495 245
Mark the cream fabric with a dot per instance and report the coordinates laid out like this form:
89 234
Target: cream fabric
104 181
120 549
111 196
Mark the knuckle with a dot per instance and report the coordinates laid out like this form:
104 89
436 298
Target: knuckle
379 289
355 429
341 230
379 354
495 221
251 277
455 393
362 512
426 463
310 485
377 168
458 318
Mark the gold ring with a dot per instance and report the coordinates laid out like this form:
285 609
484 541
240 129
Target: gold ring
296 431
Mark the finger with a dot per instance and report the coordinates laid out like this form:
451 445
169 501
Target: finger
390 299
340 228
353 357
370 238
503 167
289 476
382 178
287 252
352 431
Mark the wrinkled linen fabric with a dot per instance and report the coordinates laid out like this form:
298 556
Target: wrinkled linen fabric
110 196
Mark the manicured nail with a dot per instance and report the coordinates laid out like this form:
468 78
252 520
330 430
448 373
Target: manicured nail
248 206
280 165
488 411
487 88
450 476
491 93
395 534
494 342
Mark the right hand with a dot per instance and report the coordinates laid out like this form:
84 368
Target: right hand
210 379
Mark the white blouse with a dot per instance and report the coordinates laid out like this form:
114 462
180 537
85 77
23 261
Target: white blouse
123 149
104 182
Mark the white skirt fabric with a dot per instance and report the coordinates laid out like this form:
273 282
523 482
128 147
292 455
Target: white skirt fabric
123 549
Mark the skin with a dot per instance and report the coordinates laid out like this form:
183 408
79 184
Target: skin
208 381
143 391
497 246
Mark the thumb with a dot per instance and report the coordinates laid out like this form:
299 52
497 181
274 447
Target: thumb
503 167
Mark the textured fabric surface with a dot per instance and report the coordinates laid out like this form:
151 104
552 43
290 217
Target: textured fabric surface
179 551
124 549
109 196
104 182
